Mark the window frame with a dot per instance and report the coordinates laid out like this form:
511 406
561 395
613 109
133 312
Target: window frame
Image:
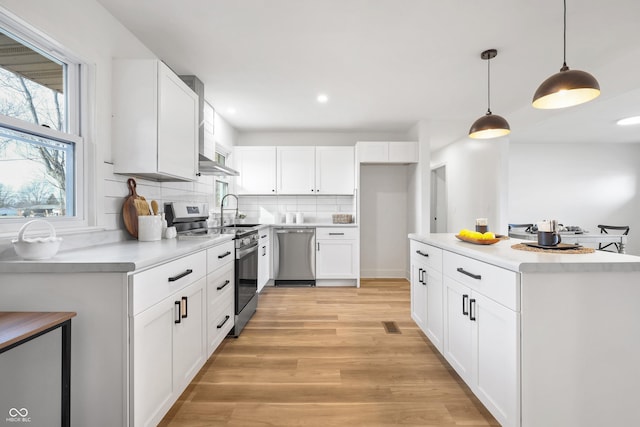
76 103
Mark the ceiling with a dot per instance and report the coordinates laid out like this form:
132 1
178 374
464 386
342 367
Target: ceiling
387 64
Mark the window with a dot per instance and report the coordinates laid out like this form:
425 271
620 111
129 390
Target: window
40 147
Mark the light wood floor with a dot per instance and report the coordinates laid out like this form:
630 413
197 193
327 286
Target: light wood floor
321 357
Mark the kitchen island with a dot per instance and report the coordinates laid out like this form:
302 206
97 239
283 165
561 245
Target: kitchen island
541 338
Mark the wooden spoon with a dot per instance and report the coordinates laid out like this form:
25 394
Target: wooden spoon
154 207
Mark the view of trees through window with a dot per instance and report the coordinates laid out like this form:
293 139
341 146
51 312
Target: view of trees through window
35 171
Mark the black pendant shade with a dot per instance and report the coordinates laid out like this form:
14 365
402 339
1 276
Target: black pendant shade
567 87
490 125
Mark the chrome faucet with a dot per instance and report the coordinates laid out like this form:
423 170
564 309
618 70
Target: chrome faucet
222 209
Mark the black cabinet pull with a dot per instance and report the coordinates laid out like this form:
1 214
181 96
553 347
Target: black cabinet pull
464 305
336 234
263 236
186 309
318 246
419 252
472 304
177 318
181 275
226 282
224 255
223 322
420 275
466 273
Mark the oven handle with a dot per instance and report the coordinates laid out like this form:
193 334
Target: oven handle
246 251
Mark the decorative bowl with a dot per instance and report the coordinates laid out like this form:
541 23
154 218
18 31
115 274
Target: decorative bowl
36 248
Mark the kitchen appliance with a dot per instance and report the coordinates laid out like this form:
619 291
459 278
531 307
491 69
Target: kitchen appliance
295 256
206 151
190 220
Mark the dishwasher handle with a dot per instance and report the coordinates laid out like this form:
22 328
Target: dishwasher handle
296 230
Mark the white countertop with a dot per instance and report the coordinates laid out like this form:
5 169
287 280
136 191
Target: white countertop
314 224
125 256
502 255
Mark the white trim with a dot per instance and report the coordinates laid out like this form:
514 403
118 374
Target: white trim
76 118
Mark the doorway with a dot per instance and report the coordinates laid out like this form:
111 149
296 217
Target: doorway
438 220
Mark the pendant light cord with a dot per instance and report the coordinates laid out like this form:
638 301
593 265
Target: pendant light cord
564 36
489 85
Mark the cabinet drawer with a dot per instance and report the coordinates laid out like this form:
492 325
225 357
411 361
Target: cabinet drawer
221 321
346 233
426 254
499 284
152 286
220 255
263 235
220 285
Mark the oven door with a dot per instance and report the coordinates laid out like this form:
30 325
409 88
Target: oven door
246 275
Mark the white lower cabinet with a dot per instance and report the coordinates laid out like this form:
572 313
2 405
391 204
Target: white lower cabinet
482 336
336 253
264 258
168 336
220 294
426 291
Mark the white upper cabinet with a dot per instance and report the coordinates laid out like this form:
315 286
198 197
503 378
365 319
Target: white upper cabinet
387 152
335 170
257 167
296 170
155 122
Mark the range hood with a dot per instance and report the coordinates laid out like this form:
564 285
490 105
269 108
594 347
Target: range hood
207 166
206 149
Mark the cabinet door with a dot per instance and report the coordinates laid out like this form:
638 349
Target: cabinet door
152 354
189 334
458 328
418 295
296 170
264 262
403 152
177 126
434 322
373 151
336 259
335 170
495 346
257 167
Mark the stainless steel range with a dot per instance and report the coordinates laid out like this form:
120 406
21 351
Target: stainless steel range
190 220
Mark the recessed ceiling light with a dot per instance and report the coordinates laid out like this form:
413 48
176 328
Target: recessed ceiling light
322 98
635 120
231 110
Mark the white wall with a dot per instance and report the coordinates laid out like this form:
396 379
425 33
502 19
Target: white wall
476 175
383 220
584 185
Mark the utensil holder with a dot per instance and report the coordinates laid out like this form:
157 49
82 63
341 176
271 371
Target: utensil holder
149 228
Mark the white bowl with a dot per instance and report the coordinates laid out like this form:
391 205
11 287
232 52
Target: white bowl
36 248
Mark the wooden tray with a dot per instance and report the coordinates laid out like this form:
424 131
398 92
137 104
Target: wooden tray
478 241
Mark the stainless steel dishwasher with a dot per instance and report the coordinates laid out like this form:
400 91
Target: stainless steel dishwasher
295 257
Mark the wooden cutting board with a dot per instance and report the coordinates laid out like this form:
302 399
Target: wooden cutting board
133 206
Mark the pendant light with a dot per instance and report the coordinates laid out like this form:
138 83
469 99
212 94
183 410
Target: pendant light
568 87
490 125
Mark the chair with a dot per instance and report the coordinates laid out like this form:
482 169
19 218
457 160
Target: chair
603 230
527 227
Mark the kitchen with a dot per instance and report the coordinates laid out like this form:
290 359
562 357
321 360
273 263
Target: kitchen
485 179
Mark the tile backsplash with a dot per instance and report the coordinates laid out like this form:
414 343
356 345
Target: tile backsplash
116 191
272 209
